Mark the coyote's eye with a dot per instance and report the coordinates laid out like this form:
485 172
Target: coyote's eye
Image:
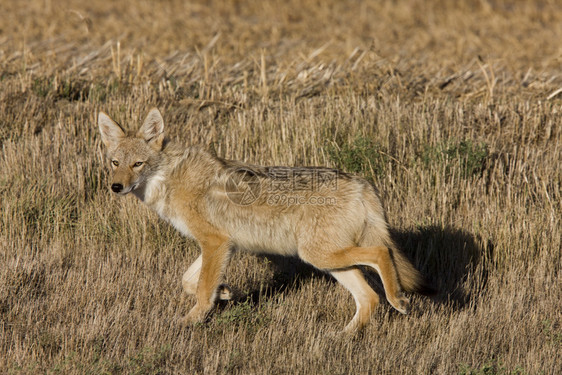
115 163
137 164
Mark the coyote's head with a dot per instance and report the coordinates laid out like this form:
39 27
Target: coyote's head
133 158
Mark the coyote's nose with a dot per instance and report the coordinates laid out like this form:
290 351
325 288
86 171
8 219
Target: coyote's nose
117 188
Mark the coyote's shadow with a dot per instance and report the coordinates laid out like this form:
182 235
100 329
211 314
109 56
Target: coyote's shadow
289 273
453 262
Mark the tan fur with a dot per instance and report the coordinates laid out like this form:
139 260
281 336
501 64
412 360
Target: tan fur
330 219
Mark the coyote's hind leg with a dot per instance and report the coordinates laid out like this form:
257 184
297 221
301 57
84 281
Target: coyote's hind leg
376 257
365 297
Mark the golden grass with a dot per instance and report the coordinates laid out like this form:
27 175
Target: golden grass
453 110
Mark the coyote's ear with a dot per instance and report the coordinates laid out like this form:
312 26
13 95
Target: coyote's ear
152 131
111 132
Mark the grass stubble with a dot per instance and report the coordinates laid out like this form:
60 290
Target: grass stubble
453 111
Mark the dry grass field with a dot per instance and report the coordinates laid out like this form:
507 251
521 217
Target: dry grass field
452 109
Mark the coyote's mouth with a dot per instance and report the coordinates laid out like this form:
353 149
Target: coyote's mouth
127 190
130 189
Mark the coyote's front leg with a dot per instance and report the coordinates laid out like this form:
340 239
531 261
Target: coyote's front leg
191 277
215 252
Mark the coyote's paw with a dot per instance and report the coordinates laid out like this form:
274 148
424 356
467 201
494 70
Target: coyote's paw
224 292
196 315
351 328
402 304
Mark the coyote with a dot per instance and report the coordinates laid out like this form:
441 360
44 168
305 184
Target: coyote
329 219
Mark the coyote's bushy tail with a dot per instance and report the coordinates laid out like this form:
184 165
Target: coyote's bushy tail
376 233
409 277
